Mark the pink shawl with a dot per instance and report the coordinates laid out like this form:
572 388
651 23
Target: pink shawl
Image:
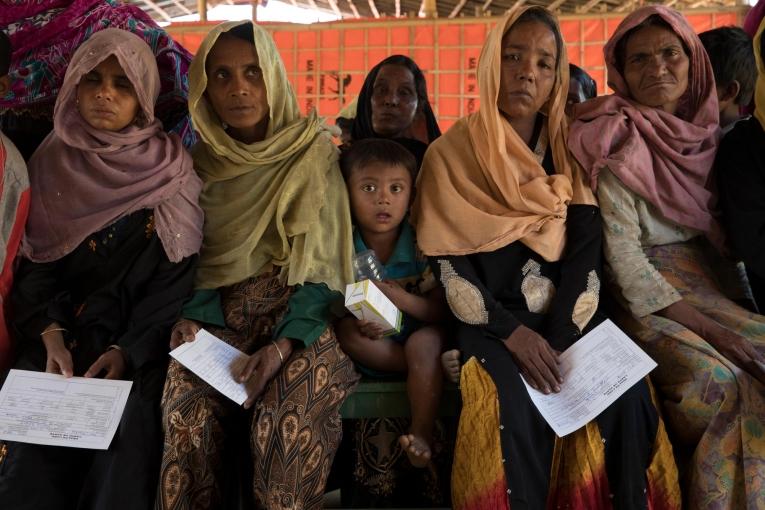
84 179
666 159
753 18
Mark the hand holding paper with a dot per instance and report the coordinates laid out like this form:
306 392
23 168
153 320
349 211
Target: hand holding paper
596 371
263 366
50 409
215 362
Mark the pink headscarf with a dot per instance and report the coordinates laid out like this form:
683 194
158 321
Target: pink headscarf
84 179
666 159
753 18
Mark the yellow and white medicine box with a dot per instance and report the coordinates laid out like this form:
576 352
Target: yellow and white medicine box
367 302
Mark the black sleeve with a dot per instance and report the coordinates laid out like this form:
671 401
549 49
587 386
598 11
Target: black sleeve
36 300
469 299
147 337
578 293
740 173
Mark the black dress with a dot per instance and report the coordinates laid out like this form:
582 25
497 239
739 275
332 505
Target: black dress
519 287
116 288
740 169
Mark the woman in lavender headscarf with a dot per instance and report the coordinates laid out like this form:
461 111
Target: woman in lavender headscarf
109 252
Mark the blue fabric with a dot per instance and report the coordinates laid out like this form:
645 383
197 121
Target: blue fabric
406 266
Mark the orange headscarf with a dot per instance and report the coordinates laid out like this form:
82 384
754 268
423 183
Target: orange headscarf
482 188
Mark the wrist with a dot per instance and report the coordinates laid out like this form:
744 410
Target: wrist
119 349
518 333
408 302
52 329
53 340
284 347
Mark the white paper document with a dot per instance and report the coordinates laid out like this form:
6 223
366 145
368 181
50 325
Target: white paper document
49 409
215 362
596 371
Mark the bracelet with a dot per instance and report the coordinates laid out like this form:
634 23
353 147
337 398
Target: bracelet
115 347
51 330
281 357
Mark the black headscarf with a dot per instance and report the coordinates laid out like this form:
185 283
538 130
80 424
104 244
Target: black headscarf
362 124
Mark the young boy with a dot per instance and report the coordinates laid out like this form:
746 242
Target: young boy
380 177
14 206
732 56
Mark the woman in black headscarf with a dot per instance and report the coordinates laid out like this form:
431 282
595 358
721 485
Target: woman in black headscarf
394 104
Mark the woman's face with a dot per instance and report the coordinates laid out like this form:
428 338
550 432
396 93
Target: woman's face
106 98
656 68
528 69
394 101
236 88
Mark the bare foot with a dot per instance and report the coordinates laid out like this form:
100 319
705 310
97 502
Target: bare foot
450 361
416 448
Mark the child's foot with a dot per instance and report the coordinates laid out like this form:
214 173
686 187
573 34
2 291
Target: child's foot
450 361
416 448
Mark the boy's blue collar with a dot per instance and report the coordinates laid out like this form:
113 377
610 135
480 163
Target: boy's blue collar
403 252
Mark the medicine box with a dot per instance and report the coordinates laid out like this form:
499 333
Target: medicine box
367 302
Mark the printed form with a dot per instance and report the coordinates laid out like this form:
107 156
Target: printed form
596 371
214 361
49 409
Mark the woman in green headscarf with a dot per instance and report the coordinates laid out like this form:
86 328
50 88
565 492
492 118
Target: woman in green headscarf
277 249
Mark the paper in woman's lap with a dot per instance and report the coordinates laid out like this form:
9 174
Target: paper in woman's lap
215 362
49 409
597 370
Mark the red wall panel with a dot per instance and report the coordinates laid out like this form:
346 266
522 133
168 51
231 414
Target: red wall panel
327 62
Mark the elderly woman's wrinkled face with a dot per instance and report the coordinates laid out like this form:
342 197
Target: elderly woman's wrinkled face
394 101
106 98
236 88
656 67
528 69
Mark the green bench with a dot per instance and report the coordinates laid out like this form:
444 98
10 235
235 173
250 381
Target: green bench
387 399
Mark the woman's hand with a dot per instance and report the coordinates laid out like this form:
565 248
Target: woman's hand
537 361
734 347
185 330
59 359
113 361
739 351
262 366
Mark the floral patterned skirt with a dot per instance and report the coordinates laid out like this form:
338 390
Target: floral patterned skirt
713 409
295 428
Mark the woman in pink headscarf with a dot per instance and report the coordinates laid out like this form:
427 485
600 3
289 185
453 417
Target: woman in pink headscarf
110 250
649 150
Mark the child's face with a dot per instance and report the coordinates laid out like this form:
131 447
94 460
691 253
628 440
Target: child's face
379 196
106 98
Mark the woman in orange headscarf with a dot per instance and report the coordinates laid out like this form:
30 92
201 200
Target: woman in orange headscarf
514 234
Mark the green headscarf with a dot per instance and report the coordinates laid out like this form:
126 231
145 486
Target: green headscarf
279 202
